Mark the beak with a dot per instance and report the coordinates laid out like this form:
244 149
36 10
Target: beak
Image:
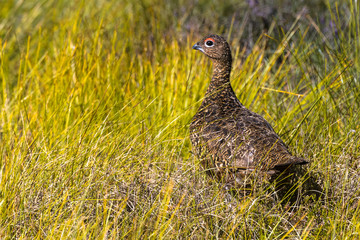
197 47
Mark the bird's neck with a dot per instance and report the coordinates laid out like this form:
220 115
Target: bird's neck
219 86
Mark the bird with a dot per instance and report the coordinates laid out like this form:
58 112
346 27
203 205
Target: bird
234 144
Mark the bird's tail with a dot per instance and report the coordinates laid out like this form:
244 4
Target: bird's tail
293 161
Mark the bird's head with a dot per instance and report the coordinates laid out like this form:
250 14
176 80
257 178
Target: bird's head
215 47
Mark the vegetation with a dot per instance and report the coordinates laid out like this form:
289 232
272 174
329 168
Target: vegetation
97 97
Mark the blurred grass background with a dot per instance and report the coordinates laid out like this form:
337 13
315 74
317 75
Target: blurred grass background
97 96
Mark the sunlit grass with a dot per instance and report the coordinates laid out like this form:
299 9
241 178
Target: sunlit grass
96 101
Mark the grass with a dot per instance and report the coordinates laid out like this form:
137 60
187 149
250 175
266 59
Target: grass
96 101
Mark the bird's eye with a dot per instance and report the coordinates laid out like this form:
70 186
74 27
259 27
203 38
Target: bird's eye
209 43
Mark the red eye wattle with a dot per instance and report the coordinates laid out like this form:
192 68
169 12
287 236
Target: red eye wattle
209 39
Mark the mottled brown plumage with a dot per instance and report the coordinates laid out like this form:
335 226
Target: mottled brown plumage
231 141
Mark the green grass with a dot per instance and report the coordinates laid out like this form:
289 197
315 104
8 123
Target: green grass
96 101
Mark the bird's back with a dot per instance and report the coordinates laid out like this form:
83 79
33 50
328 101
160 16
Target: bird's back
231 138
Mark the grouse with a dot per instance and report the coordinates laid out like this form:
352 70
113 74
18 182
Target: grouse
233 143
